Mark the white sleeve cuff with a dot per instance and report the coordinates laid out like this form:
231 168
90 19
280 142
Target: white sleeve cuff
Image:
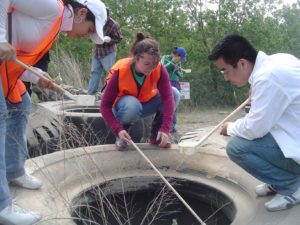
27 76
230 129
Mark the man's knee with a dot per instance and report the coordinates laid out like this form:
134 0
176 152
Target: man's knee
236 148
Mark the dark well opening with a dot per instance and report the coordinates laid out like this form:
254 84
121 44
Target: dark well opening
84 109
147 200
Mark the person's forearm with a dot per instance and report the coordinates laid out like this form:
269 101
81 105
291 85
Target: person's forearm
166 93
108 116
178 73
114 42
116 37
107 101
28 76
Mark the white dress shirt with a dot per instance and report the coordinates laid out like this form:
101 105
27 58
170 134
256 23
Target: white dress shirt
275 103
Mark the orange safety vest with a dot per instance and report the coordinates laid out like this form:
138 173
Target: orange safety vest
127 84
120 63
13 87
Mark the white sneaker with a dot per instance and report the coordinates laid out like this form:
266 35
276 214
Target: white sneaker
14 215
280 202
264 190
27 181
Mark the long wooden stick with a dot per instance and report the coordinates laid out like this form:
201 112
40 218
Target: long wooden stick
63 91
193 144
168 184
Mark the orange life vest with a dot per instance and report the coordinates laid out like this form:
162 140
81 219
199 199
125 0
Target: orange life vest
13 87
120 63
127 84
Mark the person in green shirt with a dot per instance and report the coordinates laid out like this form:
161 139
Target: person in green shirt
173 65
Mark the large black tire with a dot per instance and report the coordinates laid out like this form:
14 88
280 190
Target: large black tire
43 131
61 125
94 131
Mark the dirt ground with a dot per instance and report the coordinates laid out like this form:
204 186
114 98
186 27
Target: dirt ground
205 117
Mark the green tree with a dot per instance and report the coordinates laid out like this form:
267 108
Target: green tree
197 25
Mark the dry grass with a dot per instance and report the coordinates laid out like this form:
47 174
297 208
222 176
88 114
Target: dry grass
68 69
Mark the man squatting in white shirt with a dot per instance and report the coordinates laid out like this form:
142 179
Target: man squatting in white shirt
266 142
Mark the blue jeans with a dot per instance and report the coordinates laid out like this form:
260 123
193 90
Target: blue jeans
5 197
16 141
98 64
129 109
176 85
263 159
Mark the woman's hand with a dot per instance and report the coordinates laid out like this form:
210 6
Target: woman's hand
176 68
7 52
47 82
123 135
224 129
163 138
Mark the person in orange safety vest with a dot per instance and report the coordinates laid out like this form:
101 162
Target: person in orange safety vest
137 87
34 27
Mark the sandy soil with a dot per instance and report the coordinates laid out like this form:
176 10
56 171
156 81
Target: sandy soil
194 119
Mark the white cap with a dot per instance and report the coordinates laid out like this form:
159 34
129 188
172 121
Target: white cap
99 10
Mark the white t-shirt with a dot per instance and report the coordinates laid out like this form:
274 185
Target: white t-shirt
32 20
275 103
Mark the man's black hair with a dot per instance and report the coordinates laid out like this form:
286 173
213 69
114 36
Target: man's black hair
232 48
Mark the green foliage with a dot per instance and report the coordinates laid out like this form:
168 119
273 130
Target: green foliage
197 25
79 49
